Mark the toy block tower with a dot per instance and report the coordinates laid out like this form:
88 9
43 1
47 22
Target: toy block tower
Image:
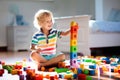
73 44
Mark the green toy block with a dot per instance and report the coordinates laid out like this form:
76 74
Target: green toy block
86 71
73 48
60 70
89 78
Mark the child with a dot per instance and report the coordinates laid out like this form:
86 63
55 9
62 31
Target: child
43 45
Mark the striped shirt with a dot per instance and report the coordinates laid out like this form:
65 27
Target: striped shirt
46 43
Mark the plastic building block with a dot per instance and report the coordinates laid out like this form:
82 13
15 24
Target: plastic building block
81 77
68 76
61 65
73 36
79 70
74 30
1 72
38 77
89 78
92 72
86 71
59 70
42 68
92 66
73 49
74 63
73 42
73 23
51 69
73 55
21 77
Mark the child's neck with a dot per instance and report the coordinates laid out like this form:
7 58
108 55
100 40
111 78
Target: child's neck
46 32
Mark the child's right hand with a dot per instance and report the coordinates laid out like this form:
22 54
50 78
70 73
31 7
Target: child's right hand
38 50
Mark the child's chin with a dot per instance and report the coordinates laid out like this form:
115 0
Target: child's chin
50 28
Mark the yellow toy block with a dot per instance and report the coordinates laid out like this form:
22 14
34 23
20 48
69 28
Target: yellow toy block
73 23
73 42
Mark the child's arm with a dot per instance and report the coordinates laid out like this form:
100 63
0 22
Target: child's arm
34 49
65 32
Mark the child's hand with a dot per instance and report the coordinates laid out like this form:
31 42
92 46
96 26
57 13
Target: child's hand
38 50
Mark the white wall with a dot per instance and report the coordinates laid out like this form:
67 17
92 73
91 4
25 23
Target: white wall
103 8
28 8
86 7
108 5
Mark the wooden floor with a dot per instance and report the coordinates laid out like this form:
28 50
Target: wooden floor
12 57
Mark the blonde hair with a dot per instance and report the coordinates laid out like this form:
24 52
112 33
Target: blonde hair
39 17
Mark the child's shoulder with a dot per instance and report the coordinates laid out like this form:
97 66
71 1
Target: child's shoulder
37 33
54 29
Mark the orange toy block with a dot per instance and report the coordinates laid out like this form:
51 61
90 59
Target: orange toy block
42 68
73 36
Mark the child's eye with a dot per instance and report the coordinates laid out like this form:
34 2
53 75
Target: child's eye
49 21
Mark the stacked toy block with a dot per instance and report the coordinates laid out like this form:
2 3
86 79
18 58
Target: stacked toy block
73 44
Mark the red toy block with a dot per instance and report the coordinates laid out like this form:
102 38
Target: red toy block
81 77
39 77
52 78
1 72
74 30
119 71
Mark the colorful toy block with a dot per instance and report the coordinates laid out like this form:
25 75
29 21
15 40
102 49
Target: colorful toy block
73 36
73 44
73 49
73 55
1 72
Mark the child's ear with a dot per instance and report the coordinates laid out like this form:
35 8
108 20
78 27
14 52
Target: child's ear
38 18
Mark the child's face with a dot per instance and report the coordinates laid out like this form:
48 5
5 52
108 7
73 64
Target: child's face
47 23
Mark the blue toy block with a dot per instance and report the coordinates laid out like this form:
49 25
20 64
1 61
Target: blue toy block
79 70
73 55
